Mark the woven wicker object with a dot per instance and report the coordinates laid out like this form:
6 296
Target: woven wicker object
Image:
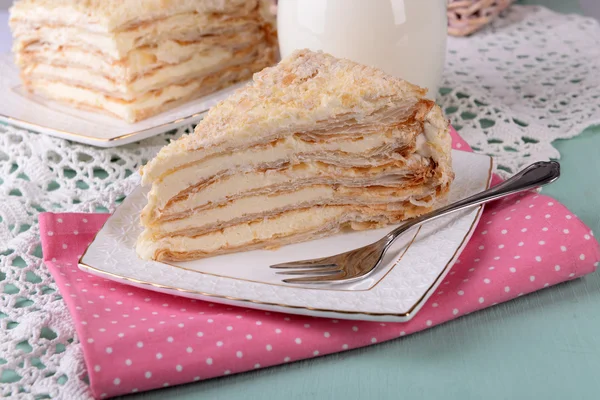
468 16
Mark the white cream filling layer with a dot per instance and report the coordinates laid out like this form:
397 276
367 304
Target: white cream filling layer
289 149
242 234
198 65
248 206
137 63
232 185
127 111
263 204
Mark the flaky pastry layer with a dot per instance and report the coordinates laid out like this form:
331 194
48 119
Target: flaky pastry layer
148 104
117 46
224 189
248 208
367 151
140 61
286 228
199 65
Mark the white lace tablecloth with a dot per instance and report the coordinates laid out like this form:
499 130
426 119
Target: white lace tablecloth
510 90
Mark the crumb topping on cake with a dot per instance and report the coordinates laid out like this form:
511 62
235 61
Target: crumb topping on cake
303 89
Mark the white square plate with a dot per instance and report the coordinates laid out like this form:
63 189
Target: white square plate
412 269
20 108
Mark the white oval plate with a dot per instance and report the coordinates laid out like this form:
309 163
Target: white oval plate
412 269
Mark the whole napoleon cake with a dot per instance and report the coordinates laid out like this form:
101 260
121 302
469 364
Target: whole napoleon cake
312 146
136 58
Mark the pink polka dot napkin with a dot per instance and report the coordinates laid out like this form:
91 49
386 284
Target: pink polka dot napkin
136 340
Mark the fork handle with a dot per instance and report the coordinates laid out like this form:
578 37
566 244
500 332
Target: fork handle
536 175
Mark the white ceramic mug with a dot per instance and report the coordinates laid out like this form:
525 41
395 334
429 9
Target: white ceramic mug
405 38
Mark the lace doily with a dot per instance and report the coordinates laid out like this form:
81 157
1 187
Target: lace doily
511 90
530 78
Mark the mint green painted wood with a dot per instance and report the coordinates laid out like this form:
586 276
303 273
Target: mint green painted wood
541 346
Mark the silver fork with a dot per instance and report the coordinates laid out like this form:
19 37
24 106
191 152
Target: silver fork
359 263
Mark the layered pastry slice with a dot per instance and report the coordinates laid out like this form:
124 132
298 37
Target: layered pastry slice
312 146
134 59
